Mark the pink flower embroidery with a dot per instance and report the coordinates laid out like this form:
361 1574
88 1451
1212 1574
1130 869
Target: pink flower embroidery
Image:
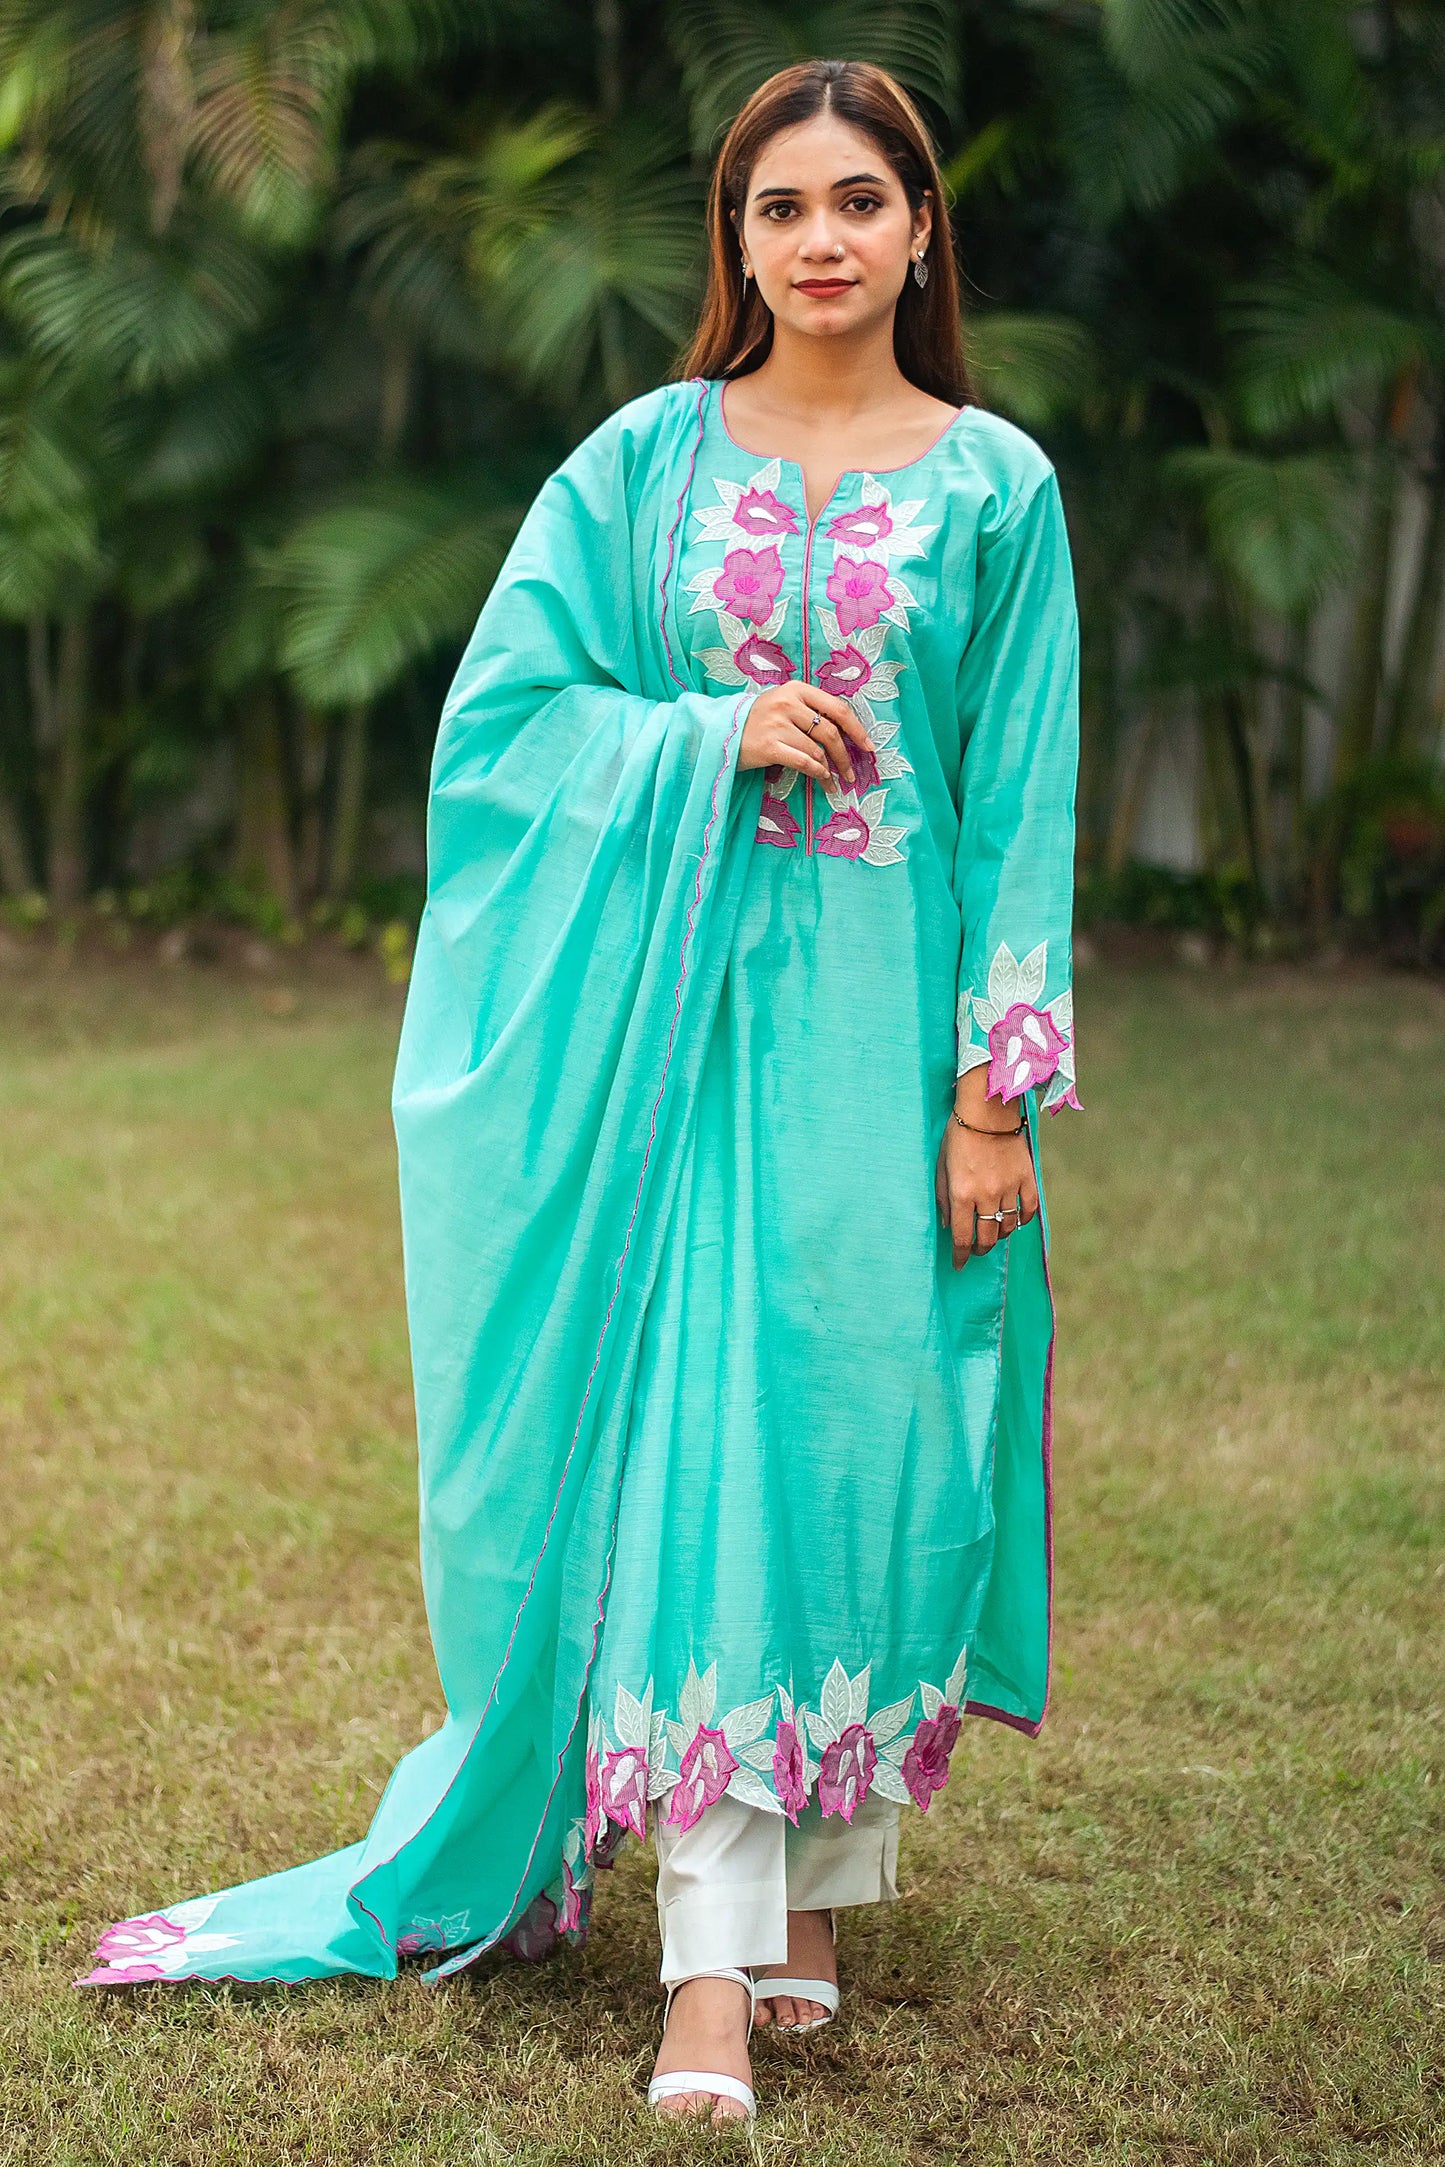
776 824
925 1764
129 1951
844 672
1025 1044
609 1843
844 836
596 1818
706 1767
760 512
858 588
425 1934
574 1912
763 660
624 1789
790 1771
534 1937
864 525
748 583
1065 1098
846 1775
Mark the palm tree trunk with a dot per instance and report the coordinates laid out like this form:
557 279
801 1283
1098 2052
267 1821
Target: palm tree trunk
67 854
1360 697
350 809
1129 799
1289 825
16 876
264 858
1409 723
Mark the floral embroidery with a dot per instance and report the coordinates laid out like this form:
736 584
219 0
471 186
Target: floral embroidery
790 1769
1028 1044
925 1764
843 1750
859 591
746 593
706 1766
864 596
845 1774
424 1935
748 583
160 1946
776 824
624 1788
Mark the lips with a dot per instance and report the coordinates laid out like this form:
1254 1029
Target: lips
823 286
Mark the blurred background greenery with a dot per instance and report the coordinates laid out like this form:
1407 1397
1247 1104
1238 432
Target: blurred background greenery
299 303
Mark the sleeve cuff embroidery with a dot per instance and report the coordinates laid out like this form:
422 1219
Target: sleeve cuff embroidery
1028 1044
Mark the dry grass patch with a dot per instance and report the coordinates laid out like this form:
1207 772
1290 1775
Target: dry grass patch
1201 1920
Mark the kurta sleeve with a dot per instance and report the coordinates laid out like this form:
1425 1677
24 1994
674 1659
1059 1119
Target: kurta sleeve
1018 699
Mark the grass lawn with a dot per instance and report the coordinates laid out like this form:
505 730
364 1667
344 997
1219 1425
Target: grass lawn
1201 1919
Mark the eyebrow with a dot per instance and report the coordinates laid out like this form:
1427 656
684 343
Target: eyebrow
850 180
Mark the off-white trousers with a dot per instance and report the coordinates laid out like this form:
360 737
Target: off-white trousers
725 1886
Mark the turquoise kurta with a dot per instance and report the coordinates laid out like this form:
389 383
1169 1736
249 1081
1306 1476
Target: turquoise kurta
729 1480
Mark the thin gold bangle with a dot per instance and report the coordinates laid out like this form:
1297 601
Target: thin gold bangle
974 1131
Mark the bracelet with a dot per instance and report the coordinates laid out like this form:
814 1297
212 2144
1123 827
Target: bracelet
1021 1130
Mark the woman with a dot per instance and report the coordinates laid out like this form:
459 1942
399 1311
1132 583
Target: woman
750 848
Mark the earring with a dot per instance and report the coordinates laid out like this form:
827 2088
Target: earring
747 274
920 271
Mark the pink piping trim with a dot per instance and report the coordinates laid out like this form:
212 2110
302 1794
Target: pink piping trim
952 423
482 1947
682 496
984 1708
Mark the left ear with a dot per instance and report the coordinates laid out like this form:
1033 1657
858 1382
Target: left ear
922 224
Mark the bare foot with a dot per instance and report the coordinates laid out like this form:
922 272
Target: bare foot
707 2028
811 1955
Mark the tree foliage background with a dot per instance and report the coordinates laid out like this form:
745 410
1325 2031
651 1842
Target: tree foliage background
300 300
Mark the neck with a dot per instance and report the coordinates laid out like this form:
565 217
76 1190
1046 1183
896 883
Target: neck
829 381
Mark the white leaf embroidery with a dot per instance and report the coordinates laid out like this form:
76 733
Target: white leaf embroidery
858 1695
888 1722
1031 974
1003 978
889 1783
750 1791
698 1698
953 1687
740 1725
930 1698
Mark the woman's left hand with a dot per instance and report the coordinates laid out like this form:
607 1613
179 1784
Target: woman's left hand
979 1176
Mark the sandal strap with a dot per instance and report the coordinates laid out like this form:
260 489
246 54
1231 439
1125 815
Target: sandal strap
819 1990
679 2081
720 1971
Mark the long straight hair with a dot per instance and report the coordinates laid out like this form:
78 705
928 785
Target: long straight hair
735 330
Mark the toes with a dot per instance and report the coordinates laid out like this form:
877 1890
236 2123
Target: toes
785 2011
762 2015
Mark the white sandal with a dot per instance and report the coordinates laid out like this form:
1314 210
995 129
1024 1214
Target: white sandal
678 2081
819 1990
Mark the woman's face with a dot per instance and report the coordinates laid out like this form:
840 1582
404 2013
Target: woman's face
826 229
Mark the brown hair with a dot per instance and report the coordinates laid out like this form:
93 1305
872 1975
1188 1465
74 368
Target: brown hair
735 330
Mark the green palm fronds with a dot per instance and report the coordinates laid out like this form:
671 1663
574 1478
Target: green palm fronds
1034 368
146 310
374 583
726 48
1280 527
1309 338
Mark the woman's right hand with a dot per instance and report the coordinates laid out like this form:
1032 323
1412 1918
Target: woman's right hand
798 726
